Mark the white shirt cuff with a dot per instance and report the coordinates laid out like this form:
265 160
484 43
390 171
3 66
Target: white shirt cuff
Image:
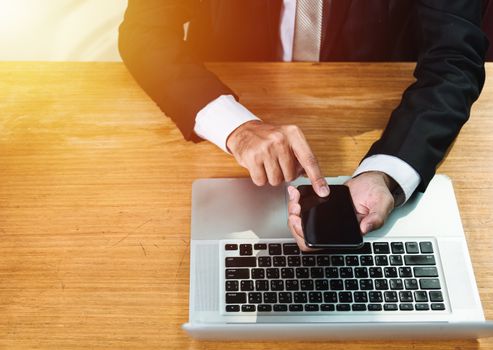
405 175
216 121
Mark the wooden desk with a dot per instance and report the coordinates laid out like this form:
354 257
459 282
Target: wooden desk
95 193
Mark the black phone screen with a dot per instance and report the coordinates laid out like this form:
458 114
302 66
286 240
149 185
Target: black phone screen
330 221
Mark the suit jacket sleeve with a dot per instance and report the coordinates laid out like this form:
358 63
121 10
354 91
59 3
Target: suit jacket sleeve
153 48
449 78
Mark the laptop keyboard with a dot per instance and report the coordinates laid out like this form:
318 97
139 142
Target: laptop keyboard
275 277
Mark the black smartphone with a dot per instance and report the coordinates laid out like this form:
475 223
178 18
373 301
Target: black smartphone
329 222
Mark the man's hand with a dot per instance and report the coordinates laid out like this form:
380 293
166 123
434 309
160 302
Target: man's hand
274 154
372 198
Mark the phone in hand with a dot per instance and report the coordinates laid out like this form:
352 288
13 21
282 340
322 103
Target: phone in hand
329 222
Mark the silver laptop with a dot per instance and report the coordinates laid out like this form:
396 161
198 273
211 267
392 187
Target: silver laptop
412 279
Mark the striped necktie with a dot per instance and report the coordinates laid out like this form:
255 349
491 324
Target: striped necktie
308 30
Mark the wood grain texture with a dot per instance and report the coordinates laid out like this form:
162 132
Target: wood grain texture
95 193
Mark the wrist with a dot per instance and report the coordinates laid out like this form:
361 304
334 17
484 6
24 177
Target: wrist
237 134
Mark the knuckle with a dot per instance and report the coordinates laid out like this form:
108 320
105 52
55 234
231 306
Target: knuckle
277 138
292 129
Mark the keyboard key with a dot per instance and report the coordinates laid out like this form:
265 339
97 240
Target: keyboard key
390 272
346 272
246 249
285 298
337 260
280 308
366 284
264 308
327 307
272 273
376 272
381 248
264 261
308 260
351 284
390 297
232 308
330 297
295 307
412 248
366 260
294 260
420 296
352 260
438 306
396 284
397 247
405 297
276 285
275 249
375 297
261 285
374 307
381 260
290 249
358 307
405 272
231 286
429 283
425 271
321 285
316 272
411 283
246 285
258 273
315 297
236 298
306 284
361 272
300 298
336 285
292 285
311 307
260 246
279 261
406 307
254 298
331 272
302 272
248 308
343 307
426 247
419 260
323 260
436 296
390 307
381 284
345 297
395 260
237 274
287 272
270 297
231 247
242 261
360 297
422 307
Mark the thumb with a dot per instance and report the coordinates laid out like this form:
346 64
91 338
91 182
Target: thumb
372 221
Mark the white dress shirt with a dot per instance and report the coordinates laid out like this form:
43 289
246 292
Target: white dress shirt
216 121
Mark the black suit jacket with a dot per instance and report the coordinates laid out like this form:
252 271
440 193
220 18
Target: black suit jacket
443 36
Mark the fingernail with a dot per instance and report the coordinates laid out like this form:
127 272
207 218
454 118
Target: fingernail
323 190
291 194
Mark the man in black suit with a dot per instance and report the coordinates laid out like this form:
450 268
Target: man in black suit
443 36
